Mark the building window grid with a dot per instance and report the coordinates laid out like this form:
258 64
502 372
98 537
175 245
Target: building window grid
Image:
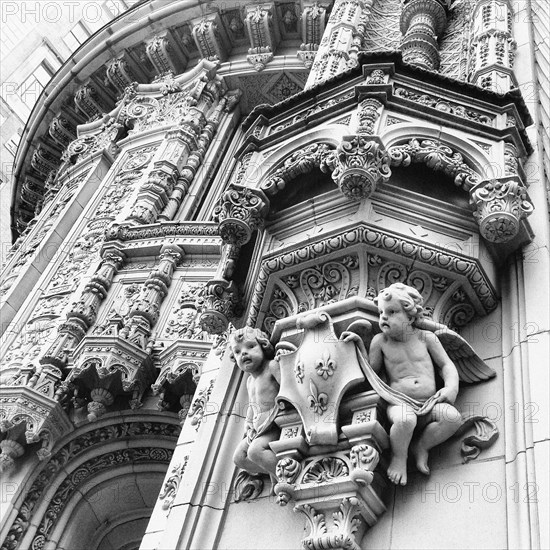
77 36
33 85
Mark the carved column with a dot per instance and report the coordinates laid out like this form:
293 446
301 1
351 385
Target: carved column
314 16
342 39
500 206
241 210
422 21
170 158
263 34
493 48
194 160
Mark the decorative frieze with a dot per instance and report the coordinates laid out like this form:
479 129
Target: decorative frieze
501 205
263 34
422 22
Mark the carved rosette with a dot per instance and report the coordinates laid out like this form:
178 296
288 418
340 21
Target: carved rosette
218 305
240 212
422 21
500 205
359 164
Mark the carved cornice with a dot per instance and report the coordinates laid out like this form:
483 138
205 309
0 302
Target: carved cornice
424 257
161 230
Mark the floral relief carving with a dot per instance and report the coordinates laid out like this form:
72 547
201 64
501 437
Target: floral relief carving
171 485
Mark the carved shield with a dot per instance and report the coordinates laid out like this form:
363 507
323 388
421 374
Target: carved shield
315 377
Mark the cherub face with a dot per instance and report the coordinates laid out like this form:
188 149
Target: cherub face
394 320
249 355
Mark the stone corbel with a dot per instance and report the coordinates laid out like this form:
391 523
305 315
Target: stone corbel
219 304
45 159
500 206
263 34
31 412
314 20
122 72
90 101
62 130
358 165
165 54
211 39
240 211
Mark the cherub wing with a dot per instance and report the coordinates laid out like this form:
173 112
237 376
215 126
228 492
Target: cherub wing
471 368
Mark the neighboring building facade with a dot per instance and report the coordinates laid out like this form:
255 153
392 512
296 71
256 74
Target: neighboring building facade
195 167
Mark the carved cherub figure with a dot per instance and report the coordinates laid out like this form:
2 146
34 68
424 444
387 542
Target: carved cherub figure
253 353
409 350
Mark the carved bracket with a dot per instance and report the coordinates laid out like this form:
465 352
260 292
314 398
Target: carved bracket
263 34
240 211
219 304
358 165
500 205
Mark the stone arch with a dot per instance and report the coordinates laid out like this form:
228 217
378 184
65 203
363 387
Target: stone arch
294 158
473 159
122 440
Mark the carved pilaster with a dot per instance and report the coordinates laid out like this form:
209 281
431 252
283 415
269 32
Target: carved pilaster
155 287
240 211
342 39
493 48
211 38
500 205
263 34
314 20
358 165
422 22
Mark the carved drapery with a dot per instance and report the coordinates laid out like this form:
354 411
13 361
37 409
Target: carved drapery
500 205
422 22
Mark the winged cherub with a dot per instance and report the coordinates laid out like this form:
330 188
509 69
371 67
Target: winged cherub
409 350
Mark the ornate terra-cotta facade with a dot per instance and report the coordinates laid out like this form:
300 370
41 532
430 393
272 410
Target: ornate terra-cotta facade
196 168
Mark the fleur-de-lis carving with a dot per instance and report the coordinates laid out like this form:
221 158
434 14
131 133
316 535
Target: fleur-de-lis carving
318 402
325 366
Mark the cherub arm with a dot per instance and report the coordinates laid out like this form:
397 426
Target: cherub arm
446 367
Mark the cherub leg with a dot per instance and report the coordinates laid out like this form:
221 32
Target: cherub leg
443 422
260 452
403 420
242 461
